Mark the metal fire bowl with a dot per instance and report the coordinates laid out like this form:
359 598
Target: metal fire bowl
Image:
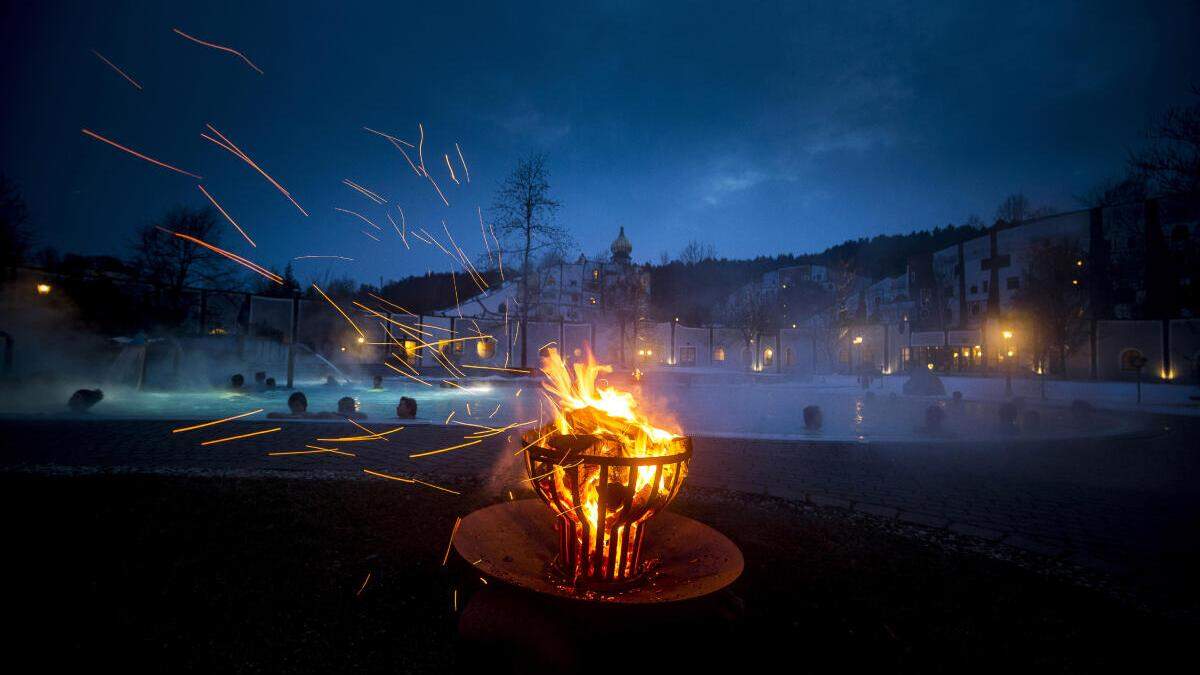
515 542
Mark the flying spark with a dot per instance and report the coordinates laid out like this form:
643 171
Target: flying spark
360 216
339 309
450 544
221 48
254 267
441 450
139 155
241 436
227 216
114 67
466 171
214 422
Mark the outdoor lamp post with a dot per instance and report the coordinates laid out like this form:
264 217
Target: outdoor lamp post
1007 335
856 341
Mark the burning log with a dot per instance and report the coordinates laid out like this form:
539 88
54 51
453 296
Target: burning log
604 469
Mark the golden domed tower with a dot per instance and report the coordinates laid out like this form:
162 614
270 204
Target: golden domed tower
621 248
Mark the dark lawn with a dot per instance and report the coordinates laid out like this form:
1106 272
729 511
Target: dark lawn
260 575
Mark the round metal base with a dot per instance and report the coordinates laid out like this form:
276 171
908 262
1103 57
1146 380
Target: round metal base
515 542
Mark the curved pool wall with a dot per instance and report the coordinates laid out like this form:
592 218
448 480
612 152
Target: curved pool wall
698 406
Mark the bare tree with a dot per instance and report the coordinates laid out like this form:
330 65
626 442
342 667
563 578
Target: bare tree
1053 298
1172 162
15 238
697 252
524 212
626 296
754 310
175 263
1017 208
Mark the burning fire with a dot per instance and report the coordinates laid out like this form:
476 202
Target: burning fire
604 467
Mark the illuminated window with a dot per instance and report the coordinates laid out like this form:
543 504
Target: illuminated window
768 356
719 354
410 349
596 274
485 349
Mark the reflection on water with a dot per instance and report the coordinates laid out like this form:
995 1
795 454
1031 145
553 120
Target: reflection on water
743 410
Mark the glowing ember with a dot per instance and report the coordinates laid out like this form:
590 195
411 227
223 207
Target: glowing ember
604 468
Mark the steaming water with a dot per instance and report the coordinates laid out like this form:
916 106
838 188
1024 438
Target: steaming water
711 407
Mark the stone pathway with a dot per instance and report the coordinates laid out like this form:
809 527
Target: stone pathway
1123 506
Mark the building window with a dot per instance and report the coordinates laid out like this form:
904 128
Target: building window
485 349
1014 283
719 353
458 347
974 289
687 356
768 357
789 357
1132 359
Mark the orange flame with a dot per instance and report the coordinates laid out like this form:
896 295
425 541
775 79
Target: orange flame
584 404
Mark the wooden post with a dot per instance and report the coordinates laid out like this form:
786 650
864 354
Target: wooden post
291 355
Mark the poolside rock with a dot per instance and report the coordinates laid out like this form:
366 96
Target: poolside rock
924 383
377 382
269 383
407 408
236 381
84 399
260 377
812 418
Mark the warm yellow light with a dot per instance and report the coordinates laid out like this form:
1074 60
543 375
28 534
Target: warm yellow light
361 339
649 353
929 366
858 340
343 349
1010 353
1079 263
43 289
641 352
1007 334
793 325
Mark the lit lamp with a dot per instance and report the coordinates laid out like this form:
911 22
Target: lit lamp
856 341
361 339
43 289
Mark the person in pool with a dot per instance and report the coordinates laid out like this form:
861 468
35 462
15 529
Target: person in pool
297 407
347 408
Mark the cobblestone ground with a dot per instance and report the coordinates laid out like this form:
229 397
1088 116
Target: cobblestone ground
1127 507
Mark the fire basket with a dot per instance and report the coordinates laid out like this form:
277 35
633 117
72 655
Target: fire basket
602 499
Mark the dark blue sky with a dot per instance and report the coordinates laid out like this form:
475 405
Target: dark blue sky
759 127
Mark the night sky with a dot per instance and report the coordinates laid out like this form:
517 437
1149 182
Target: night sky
762 128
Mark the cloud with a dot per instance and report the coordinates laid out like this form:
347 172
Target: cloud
723 184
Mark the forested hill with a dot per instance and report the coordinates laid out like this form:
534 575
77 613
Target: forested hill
694 291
